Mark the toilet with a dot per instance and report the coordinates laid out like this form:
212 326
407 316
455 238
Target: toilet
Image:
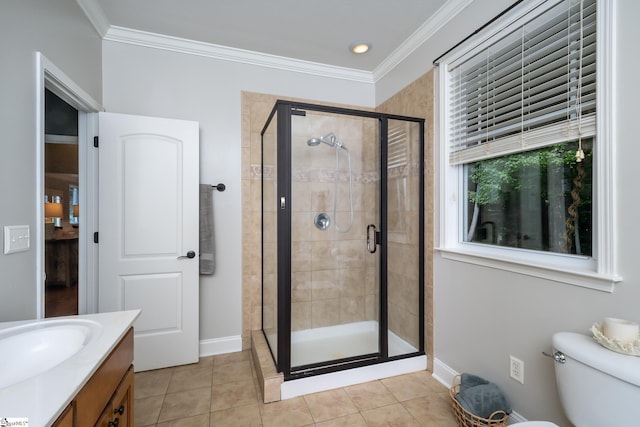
597 387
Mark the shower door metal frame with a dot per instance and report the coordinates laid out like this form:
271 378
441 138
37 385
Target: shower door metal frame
282 111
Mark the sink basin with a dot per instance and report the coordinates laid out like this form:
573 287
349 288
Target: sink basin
31 349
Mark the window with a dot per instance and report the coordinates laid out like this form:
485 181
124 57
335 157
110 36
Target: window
525 145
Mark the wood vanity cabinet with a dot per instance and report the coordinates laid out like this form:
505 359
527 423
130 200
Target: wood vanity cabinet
119 412
106 400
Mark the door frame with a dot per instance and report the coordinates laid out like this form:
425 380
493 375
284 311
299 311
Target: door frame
49 76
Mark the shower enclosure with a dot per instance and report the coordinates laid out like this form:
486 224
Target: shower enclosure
342 238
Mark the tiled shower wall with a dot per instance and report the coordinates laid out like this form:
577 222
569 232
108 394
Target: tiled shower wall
350 303
333 275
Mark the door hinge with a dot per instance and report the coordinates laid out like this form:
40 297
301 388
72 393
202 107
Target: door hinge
95 237
95 141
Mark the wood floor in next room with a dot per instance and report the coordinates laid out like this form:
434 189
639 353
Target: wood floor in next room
223 391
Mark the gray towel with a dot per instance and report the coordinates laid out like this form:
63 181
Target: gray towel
470 380
481 397
207 260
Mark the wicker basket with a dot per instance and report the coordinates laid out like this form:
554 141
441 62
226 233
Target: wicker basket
467 419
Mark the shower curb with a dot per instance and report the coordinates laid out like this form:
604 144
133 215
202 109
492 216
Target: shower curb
269 379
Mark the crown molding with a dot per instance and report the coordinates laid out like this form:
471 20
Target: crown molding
98 19
439 19
96 15
192 47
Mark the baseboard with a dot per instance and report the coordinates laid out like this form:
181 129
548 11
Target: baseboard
220 346
445 374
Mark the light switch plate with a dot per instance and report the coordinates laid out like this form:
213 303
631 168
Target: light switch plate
16 238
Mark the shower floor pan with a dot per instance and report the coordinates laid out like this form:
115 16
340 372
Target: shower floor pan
341 341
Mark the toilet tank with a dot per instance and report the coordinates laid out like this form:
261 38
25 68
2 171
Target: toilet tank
598 387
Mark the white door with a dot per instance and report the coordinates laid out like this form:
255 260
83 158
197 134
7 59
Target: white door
148 223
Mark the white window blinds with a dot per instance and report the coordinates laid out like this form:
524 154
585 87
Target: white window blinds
533 87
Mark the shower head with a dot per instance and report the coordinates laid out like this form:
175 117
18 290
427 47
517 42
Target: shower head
329 139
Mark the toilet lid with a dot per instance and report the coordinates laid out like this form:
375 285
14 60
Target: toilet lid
535 424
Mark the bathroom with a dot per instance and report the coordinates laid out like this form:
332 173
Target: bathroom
480 314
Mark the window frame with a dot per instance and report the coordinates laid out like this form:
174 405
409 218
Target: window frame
597 272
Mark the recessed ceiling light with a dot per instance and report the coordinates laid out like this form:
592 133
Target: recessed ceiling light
359 46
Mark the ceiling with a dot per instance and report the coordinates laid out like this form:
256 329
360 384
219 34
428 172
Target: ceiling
318 31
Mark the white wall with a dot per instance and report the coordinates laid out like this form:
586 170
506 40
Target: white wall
60 30
144 81
484 315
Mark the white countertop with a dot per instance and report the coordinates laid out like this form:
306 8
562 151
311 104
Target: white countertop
42 398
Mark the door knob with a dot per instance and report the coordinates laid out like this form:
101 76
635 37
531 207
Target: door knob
190 254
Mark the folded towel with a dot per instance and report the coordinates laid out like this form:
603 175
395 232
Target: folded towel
207 259
481 397
470 380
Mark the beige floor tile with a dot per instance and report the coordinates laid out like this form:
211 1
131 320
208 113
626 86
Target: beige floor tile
353 420
230 395
286 413
431 411
152 383
184 404
197 421
147 410
370 395
232 372
391 415
240 356
189 379
433 383
222 391
244 416
329 404
408 386
204 362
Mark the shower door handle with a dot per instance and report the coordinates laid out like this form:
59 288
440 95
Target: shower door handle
372 246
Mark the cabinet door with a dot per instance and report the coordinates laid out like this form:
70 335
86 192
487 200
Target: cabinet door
122 403
65 419
105 418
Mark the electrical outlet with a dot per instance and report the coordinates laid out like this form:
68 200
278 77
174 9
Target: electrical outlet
516 369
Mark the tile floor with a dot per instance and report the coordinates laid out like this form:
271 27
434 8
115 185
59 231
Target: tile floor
223 391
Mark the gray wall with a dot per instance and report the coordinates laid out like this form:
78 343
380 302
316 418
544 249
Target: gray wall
164 83
484 315
60 30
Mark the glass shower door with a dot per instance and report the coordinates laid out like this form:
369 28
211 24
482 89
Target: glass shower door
404 226
334 279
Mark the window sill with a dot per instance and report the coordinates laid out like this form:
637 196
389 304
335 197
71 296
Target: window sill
585 279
